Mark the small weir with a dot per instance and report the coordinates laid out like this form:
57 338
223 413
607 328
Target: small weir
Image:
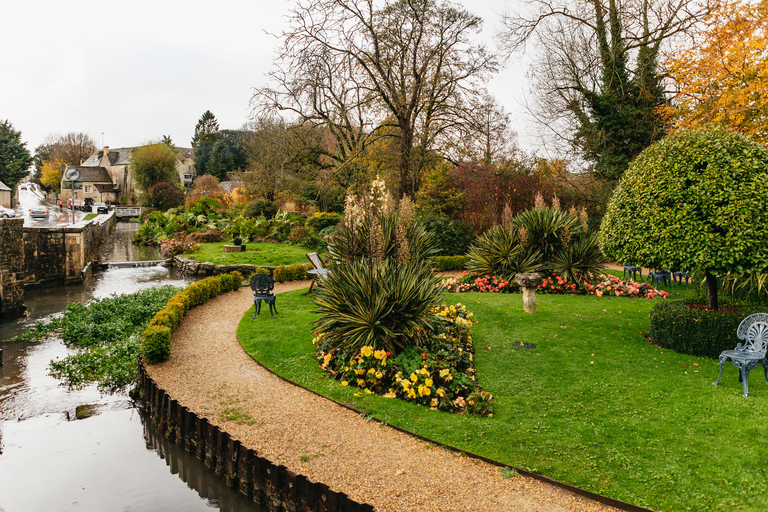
133 264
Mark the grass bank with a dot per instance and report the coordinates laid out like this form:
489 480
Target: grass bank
594 404
257 253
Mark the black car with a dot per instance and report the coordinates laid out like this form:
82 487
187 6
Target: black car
87 204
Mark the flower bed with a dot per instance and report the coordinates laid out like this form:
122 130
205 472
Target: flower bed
554 284
440 374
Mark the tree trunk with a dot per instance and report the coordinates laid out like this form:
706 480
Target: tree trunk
711 291
404 163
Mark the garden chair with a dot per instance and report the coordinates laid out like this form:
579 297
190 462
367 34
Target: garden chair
754 331
658 276
632 270
678 276
262 286
318 269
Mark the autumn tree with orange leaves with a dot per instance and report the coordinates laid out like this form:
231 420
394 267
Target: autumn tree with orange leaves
722 78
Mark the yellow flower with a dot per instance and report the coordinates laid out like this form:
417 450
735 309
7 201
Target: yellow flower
428 382
361 383
433 402
368 391
366 351
380 354
344 383
379 375
411 393
360 371
440 392
391 394
444 372
424 390
371 370
414 378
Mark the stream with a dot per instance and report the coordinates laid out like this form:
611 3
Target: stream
113 459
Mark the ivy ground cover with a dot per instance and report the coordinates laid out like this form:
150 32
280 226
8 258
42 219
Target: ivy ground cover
594 404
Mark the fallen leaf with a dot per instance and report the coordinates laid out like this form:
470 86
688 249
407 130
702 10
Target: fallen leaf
695 364
684 366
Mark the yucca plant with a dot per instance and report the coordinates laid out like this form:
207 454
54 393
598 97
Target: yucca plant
579 260
384 305
548 230
380 286
499 252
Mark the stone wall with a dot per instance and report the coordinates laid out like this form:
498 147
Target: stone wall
11 268
59 255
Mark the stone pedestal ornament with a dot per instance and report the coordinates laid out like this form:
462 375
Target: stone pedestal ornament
529 282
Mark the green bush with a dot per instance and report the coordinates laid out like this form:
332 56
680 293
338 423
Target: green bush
260 208
696 331
156 344
452 236
447 263
322 220
296 272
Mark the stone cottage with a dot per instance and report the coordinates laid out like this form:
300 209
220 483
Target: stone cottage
106 177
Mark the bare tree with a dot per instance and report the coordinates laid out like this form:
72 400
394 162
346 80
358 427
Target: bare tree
595 77
352 64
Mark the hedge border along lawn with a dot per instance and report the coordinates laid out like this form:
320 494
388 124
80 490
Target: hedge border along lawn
595 405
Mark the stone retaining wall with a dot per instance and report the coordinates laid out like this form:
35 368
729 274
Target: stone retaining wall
196 268
59 255
273 486
11 268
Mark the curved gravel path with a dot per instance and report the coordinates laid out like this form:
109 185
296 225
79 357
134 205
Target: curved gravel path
211 374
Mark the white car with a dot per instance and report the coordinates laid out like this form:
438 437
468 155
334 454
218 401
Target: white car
38 212
7 212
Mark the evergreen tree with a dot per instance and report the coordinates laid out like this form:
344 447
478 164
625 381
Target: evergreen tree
15 159
206 130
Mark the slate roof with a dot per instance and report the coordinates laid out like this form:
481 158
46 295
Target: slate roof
117 156
3 186
94 174
105 187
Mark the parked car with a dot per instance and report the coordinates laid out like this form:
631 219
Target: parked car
100 208
7 212
38 212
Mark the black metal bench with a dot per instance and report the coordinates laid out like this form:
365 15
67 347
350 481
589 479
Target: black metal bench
262 286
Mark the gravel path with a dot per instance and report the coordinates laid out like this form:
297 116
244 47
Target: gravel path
211 374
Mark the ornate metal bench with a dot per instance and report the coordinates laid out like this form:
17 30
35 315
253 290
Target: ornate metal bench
754 331
262 286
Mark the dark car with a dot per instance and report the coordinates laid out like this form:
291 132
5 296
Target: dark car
100 208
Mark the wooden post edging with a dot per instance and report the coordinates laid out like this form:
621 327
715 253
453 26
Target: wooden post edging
274 486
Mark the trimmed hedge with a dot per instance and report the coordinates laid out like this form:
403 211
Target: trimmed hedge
296 272
696 332
446 263
156 338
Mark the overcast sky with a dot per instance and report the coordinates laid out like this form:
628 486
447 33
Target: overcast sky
131 71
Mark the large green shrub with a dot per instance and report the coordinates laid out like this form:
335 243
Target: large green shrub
452 236
321 220
156 343
260 208
693 201
698 332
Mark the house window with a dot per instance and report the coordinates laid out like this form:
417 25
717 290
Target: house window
88 189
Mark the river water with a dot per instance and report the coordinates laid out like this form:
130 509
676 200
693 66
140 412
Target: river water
113 460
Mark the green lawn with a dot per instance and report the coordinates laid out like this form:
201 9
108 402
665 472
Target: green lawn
257 253
594 405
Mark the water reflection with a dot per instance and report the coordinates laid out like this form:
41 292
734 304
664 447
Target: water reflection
111 461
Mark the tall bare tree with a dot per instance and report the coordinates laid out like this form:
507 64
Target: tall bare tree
597 85
352 64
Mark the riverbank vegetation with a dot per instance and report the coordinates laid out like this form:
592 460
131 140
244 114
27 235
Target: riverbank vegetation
106 336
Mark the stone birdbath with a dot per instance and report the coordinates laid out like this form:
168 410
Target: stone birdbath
529 282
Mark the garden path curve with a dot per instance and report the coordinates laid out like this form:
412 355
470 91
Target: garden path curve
211 374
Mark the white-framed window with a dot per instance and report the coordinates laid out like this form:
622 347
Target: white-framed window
88 189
